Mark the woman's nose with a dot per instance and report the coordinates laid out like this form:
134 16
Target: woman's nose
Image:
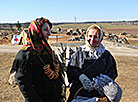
92 40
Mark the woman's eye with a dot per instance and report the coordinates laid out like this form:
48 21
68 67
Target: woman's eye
90 35
95 36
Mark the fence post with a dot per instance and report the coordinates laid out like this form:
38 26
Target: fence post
56 38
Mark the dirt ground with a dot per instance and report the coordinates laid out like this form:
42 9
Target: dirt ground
127 69
128 77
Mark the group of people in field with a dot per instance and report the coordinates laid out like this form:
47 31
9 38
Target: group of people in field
91 72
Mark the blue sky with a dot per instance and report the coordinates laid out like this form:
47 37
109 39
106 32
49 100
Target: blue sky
12 11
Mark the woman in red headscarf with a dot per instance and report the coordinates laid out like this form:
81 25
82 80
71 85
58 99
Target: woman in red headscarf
37 69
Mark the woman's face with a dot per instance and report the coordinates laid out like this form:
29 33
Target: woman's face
46 31
93 38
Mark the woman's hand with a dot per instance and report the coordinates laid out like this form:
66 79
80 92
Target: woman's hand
86 82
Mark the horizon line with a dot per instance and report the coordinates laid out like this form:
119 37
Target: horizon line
76 21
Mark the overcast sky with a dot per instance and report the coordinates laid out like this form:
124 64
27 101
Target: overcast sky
12 11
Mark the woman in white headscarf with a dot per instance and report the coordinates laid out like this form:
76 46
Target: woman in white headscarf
88 63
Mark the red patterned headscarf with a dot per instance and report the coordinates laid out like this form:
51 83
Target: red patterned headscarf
35 38
36 42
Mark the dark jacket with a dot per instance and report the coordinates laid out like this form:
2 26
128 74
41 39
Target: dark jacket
80 64
33 83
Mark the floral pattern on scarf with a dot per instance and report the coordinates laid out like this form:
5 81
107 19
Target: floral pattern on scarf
35 36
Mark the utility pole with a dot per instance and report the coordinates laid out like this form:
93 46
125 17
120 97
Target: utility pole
75 18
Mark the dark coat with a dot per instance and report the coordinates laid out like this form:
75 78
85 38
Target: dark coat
33 83
80 64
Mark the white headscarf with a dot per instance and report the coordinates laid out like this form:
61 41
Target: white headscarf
94 52
101 32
